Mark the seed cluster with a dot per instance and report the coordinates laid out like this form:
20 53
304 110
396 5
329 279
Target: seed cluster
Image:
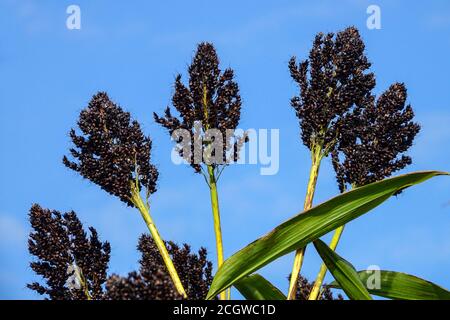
304 288
112 149
375 138
59 243
332 81
152 282
212 99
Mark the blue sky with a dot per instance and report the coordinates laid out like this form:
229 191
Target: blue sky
133 50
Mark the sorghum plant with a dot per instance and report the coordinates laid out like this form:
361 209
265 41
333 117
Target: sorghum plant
338 115
152 281
332 82
373 141
209 110
73 265
113 153
367 140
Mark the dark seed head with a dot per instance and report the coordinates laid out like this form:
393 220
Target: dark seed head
375 138
332 81
152 282
65 255
211 99
112 151
304 288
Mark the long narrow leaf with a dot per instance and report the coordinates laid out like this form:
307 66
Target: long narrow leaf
344 273
399 286
309 226
256 287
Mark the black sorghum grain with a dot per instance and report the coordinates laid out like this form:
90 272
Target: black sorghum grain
152 281
62 249
332 81
304 288
211 99
375 138
111 149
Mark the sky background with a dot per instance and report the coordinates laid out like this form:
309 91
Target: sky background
133 50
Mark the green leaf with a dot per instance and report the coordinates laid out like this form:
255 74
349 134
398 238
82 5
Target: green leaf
400 286
256 287
300 230
344 273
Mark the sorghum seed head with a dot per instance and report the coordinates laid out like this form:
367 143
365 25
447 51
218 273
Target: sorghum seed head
332 81
112 149
62 248
152 282
211 99
375 138
304 288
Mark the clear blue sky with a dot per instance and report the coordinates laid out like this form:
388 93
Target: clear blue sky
133 50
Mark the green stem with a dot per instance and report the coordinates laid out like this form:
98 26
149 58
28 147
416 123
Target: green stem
216 217
315 291
87 294
84 285
145 212
214 197
316 156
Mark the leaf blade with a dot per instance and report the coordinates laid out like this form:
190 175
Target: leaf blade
401 286
256 287
309 226
344 273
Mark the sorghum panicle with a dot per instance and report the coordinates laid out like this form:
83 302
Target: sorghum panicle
62 248
111 149
222 111
375 138
304 288
152 281
332 81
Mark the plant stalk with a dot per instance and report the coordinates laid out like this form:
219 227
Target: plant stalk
145 212
216 217
316 156
84 285
225 295
315 291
